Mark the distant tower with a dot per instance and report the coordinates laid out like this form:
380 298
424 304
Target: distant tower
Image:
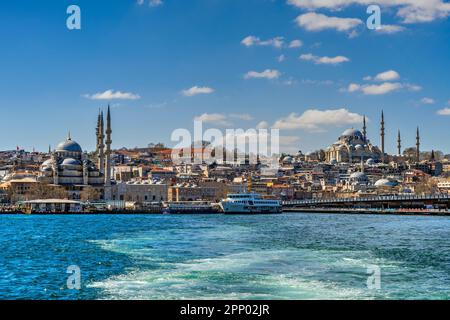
108 156
382 136
432 157
100 143
417 145
399 144
364 130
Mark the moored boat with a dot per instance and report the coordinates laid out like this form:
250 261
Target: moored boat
249 203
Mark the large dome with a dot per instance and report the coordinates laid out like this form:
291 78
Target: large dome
351 133
68 146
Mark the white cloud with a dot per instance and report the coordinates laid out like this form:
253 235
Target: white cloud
324 60
378 89
389 75
241 116
390 29
197 90
250 41
387 85
266 74
427 100
295 44
318 120
216 118
289 82
382 88
444 112
151 3
312 21
317 82
113 95
222 119
412 87
262 125
281 58
410 11
352 87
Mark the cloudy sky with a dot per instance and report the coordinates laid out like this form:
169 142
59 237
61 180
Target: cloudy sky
311 68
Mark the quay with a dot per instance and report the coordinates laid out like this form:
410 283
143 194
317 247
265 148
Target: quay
398 212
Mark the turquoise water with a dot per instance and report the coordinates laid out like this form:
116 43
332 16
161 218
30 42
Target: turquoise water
289 256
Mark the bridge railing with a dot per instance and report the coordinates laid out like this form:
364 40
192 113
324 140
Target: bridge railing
367 199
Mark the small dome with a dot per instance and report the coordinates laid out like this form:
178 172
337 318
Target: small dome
385 183
358 176
359 147
68 146
48 162
70 162
370 162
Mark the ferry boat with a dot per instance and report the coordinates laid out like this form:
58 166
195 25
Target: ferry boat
249 203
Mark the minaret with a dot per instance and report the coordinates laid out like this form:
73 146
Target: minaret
108 156
418 145
364 130
382 136
399 144
100 143
432 157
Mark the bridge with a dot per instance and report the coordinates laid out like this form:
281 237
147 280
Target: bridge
391 201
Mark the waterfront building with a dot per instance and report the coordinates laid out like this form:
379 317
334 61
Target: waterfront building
140 191
16 189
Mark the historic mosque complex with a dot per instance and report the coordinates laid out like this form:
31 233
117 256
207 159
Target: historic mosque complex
71 168
353 146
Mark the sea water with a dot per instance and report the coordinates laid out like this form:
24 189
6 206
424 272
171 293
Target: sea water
288 256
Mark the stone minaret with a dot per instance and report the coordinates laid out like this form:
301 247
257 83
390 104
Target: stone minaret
382 136
399 144
417 145
108 156
364 130
100 143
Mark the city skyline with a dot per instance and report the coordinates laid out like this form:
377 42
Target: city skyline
163 64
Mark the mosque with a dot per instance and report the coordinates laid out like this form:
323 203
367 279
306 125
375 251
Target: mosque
353 146
72 169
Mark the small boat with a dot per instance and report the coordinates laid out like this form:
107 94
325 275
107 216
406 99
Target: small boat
249 203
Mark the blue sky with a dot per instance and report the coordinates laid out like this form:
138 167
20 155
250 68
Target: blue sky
228 62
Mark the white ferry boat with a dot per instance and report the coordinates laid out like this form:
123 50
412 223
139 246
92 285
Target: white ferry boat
249 203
